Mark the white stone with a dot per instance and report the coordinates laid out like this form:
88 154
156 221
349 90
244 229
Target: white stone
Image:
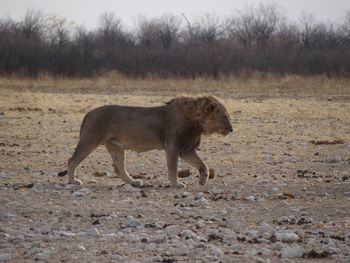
292 252
81 192
116 257
250 198
37 188
93 232
186 234
171 228
128 188
216 191
66 234
215 251
347 238
333 250
203 200
81 248
200 224
287 237
158 239
6 215
132 222
265 228
44 255
177 212
5 257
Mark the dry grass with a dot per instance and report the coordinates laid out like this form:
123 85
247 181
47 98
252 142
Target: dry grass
256 84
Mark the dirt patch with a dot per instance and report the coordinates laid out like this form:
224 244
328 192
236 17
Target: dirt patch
280 191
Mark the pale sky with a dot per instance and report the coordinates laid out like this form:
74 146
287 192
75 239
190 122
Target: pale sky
87 12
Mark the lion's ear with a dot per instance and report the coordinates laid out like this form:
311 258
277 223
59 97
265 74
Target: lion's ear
211 108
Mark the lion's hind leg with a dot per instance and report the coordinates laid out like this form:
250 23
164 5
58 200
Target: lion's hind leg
194 160
118 156
84 148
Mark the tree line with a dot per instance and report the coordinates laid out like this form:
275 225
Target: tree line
256 38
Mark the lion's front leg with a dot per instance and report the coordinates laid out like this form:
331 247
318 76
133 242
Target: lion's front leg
172 158
194 160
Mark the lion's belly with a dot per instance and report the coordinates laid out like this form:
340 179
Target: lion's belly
138 144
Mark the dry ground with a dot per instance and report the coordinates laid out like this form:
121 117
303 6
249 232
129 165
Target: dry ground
281 191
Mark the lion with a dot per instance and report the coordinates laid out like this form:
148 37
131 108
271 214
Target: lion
175 127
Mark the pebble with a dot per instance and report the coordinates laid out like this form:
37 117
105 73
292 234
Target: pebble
44 255
132 222
116 257
80 193
128 188
161 238
93 232
250 198
81 248
177 212
6 215
216 191
292 252
187 234
5 257
287 237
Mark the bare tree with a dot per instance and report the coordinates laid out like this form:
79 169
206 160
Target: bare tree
31 25
255 25
158 32
110 30
208 29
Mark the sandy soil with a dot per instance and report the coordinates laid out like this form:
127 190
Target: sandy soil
281 191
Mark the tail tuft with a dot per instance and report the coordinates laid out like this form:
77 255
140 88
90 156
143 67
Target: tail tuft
63 173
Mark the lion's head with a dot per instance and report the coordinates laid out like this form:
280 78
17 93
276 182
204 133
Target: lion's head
207 112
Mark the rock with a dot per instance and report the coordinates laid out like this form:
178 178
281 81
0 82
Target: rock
171 228
81 248
80 193
287 237
347 238
187 234
44 255
216 191
129 189
116 257
250 198
265 228
161 238
215 251
5 257
6 215
305 220
176 212
93 232
67 234
292 252
282 219
132 222
200 224
37 188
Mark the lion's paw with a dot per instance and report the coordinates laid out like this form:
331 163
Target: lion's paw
136 183
203 180
76 182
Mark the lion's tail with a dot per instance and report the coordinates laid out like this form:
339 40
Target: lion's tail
62 173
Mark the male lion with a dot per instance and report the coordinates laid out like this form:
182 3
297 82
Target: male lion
175 127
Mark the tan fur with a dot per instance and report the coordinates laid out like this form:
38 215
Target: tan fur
175 127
